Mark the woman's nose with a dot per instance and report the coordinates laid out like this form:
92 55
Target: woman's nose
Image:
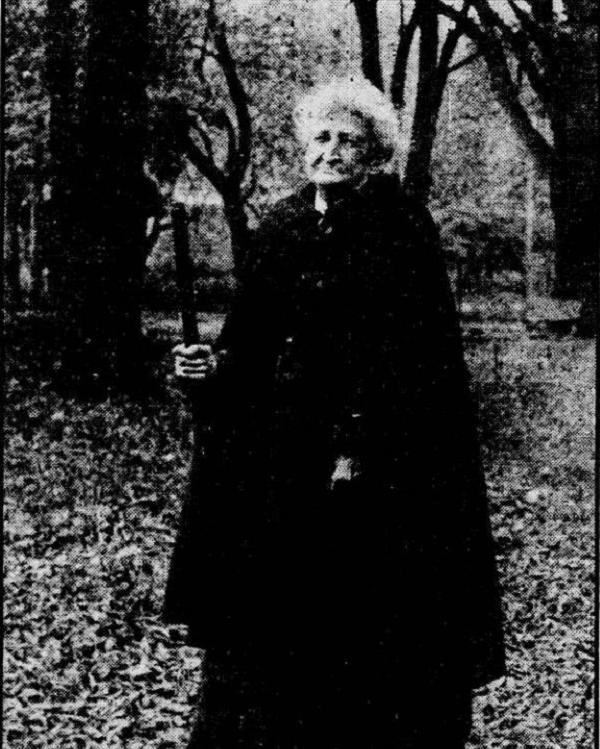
333 148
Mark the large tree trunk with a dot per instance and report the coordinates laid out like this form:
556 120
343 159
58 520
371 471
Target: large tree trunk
60 81
106 267
366 15
418 166
12 246
237 222
575 173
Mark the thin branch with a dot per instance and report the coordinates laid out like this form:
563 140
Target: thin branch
521 48
540 80
521 42
489 18
530 32
222 55
467 24
238 159
446 55
534 30
204 165
502 83
448 50
253 209
464 62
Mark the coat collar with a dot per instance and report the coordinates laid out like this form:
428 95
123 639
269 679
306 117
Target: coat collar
380 189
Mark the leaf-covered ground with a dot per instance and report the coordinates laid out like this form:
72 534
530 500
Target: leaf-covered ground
92 493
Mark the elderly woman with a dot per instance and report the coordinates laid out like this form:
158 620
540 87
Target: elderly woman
335 557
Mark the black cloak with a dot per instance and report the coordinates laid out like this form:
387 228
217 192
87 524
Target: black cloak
343 339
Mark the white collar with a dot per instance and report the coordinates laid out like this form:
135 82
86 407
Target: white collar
320 203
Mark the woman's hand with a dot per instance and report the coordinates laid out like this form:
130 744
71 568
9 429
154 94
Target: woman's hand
194 363
345 470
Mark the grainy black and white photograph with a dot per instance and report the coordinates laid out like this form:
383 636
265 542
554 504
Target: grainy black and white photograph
300 374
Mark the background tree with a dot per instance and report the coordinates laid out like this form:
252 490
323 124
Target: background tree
25 133
62 43
26 96
105 262
368 23
202 113
436 50
556 53
279 50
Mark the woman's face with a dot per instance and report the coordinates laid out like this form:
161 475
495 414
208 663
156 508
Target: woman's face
337 149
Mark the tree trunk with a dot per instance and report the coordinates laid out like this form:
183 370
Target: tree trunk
60 82
106 268
574 175
366 15
418 165
237 222
406 37
12 259
37 238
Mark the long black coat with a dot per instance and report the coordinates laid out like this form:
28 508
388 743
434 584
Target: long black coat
342 340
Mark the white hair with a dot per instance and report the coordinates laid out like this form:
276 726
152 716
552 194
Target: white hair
357 96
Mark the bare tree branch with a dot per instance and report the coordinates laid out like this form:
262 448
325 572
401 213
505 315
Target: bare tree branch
446 55
254 210
489 43
523 43
534 29
469 26
525 53
488 17
181 125
195 135
464 62
238 158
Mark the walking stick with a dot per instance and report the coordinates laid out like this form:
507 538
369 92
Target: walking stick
185 274
184 269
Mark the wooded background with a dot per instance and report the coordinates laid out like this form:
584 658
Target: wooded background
116 110
121 114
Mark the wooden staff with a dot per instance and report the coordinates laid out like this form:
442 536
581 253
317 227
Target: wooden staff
185 274
185 283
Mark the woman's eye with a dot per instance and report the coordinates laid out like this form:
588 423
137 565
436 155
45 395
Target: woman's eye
322 137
